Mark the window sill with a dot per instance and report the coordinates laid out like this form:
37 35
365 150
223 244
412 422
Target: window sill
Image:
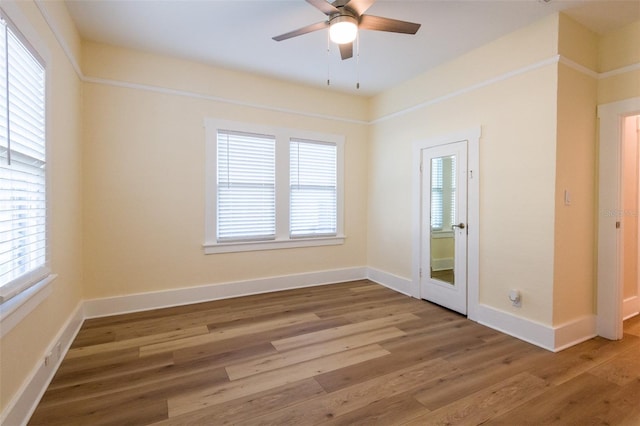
215 248
18 307
441 234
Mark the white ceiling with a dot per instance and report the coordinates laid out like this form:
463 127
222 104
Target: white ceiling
237 34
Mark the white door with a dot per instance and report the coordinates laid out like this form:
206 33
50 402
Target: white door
443 274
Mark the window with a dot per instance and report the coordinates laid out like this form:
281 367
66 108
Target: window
271 188
313 189
443 193
23 216
246 186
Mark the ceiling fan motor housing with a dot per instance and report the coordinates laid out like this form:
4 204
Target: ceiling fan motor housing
345 14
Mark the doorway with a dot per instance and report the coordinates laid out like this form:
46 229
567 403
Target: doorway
630 217
446 223
613 216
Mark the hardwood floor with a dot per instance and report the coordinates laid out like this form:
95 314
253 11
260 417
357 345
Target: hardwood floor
353 353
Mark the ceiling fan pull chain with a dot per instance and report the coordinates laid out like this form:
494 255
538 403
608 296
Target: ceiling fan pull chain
358 61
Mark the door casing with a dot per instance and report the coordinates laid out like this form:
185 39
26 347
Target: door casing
609 278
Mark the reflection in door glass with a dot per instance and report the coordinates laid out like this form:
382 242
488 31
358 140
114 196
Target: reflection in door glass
443 215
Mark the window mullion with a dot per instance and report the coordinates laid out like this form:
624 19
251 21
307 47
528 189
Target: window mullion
282 185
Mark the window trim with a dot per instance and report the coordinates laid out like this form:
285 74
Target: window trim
43 272
14 309
282 239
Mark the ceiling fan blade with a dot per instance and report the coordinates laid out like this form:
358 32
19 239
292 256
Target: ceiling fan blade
323 6
360 6
377 23
346 50
304 30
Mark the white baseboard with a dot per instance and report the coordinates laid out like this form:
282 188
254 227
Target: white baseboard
25 401
524 329
573 332
554 339
164 299
394 282
630 307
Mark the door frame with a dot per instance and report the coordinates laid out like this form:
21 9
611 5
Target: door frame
472 136
610 250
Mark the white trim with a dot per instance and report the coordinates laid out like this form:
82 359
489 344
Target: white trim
554 339
442 264
630 307
40 4
506 76
18 307
472 136
577 67
609 281
573 332
524 329
393 282
168 91
167 298
623 70
502 77
215 248
282 137
436 235
554 59
195 95
24 299
26 399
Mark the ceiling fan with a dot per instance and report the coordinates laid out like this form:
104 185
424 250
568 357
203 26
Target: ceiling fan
345 17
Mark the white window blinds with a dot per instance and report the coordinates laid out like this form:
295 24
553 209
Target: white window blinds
23 237
246 204
313 188
443 193
436 193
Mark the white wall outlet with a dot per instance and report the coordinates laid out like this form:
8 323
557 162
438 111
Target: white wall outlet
515 297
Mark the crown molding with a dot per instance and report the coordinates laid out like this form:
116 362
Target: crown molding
41 4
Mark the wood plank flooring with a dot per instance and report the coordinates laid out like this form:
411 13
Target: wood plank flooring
344 354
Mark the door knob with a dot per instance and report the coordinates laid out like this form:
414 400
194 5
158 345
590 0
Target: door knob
460 225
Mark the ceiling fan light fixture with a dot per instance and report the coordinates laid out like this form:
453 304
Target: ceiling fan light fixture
343 29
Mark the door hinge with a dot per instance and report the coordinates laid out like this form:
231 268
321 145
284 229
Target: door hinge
618 225
420 273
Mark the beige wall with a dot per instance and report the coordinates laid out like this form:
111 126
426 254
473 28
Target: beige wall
145 171
127 170
617 50
575 224
517 163
574 260
23 348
